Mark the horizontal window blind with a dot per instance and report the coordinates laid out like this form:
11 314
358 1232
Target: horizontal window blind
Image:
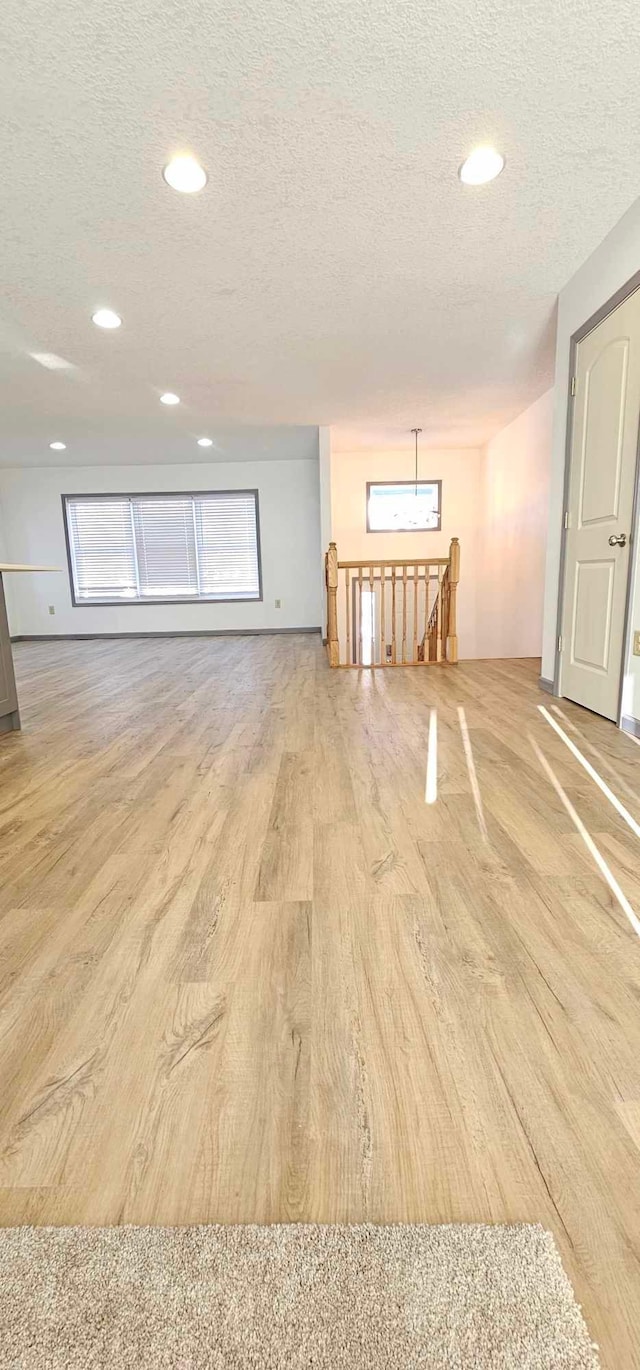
227 545
141 548
165 545
101 545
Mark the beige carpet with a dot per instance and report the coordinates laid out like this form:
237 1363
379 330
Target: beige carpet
328 1297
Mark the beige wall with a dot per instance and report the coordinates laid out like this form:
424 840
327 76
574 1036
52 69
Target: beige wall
461 473
516 495
495 501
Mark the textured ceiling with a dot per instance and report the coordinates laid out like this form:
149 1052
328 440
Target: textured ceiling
334 270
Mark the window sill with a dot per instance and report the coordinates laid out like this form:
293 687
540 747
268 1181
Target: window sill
149 603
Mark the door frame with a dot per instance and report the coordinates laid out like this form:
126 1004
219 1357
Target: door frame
618 298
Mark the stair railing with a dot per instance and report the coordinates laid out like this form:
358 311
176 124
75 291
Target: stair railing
392 613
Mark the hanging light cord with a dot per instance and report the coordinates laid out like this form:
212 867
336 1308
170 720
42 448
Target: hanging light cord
416 431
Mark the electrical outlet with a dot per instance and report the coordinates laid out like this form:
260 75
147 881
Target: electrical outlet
278 604
52 608
636 644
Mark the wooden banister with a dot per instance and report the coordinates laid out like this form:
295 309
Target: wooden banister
371 628
439 603
412 561
333 644
452 601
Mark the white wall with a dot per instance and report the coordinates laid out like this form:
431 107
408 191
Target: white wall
631 681
461 473
289 497
324 461
326 534
604 272
516 494
4 556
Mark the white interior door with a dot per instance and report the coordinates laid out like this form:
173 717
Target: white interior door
602 474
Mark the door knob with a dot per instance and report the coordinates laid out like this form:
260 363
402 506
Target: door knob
619 540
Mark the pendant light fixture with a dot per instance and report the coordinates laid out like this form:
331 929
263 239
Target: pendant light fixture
416 431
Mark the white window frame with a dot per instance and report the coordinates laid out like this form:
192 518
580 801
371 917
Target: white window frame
125 601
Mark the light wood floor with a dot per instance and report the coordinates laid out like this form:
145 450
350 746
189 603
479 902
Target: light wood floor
248 974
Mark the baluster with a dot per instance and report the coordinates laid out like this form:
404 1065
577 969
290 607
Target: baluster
427 613
383 634
354 619
372 610
347 597
393 615
414 655
359 615
404 615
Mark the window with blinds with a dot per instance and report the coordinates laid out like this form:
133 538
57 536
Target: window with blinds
142 549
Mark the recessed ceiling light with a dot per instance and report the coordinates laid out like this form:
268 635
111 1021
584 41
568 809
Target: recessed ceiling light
482 165
169 398
58 446
205 442
185 174
106 318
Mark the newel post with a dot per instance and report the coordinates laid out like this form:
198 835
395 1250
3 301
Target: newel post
454 576
333 646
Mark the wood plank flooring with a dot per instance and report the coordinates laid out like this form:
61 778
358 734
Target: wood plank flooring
248 974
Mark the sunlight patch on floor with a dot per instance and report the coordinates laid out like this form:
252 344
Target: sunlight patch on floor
573 728
587 839
473 778
431 787
602 784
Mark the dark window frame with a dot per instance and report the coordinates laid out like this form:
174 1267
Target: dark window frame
174 599
422 480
